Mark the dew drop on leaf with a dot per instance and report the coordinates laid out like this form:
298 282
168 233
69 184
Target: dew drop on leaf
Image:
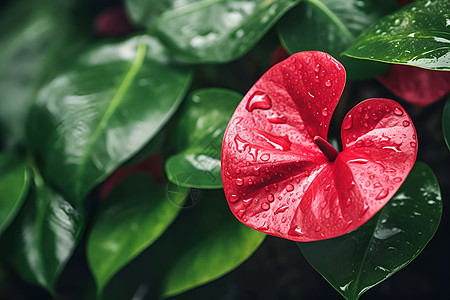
258 100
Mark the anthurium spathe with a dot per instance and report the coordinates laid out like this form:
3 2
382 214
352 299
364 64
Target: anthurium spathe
283 178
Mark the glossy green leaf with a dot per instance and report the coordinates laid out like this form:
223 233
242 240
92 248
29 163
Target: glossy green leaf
359 260
89 120
204 244
31 33
136 213
14 186
199 135
143 12
417 35
446 122
217 31
42 237
331 26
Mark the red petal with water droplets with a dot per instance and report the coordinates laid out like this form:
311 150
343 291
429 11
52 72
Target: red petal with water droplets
420 87
276 177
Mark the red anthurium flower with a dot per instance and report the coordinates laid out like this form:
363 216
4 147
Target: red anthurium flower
279 173
420 87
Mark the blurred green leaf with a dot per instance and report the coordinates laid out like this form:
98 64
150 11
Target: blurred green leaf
89 120
355 262
417 35
199 134
331 26
204 244
135 214
14 186
446 122
217 31
143 12
42 237
33 32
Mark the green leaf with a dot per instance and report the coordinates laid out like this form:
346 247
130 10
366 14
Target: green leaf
204 244
416 35
42 237
331 26
89 120
14 186
143 12
446 122
32 32
199 135
217 30
135 214
359 260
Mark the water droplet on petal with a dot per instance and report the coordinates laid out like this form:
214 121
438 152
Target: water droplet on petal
398 111
276 119
348 122
259 100
324 112
347 202
265 157
307 60
317 68
397 179
234 198
270 198
239 181
318 228
359 144
328 83
382 194
327 187
364 210
281 209
289 188
359 161
406 123
413 144
265 206
278 142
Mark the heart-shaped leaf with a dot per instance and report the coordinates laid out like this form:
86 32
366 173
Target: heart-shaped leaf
416 85
136 213
14 186
446 122
331 26
359 260
89 120
199 135
217 31
416 35
279 174
43 236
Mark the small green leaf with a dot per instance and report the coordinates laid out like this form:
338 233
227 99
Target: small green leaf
199 135
42 237
446 122
14 186
143 12
331 26
89 120
417 35
136 213
359 260
217 31
204 244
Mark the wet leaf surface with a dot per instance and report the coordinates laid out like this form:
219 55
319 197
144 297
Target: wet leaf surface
359 260
416 35
89 120
217 31
279 173
199 133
